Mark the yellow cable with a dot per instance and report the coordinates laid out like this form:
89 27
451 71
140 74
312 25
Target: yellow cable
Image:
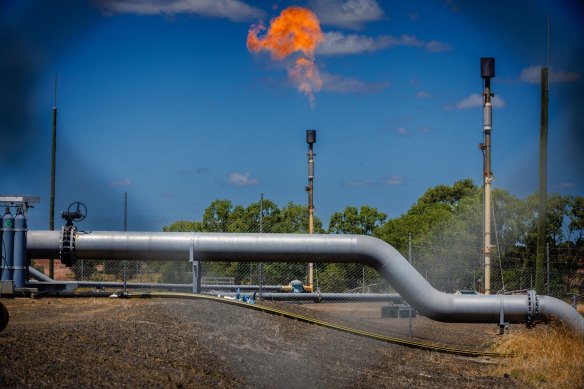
338 327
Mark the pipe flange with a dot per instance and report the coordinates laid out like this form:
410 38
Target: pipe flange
532 308
67 249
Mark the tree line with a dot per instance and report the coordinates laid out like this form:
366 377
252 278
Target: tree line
444 223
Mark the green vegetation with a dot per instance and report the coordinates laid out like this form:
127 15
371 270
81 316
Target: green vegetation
445 225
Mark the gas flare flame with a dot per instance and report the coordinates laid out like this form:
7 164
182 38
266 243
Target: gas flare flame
295 30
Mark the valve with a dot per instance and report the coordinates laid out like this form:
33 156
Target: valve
76 211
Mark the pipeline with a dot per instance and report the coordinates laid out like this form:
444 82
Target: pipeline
303 248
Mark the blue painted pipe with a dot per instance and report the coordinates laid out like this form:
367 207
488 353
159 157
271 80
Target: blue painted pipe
20 268
7 245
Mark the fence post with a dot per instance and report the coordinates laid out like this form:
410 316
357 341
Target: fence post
547 259
410 247
196 272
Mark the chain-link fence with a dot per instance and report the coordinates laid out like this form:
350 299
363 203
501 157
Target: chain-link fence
452 267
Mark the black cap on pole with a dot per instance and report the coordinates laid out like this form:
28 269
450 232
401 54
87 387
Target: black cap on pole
487 67
310 136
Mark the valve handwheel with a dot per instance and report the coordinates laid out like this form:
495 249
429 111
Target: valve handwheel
77 211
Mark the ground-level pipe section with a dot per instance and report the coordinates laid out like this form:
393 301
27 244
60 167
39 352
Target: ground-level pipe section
181 246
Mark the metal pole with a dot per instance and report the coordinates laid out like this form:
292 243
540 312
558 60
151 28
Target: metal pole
487 71
125 211
542 210
53 167
410 247
125 229
547 256
261 231
310 139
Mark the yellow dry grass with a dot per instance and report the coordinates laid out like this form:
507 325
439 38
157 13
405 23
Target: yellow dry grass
549 356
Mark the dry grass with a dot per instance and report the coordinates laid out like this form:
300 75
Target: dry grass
580 308
548 356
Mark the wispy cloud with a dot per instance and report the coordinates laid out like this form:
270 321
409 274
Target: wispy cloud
451 5
423 95
351 14
393 180
476 100
239 179
425 130
122 183
388 180
532 75
566 185
403 131
338 43
339 84
234 10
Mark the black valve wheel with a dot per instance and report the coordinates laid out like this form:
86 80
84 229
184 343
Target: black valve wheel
78 210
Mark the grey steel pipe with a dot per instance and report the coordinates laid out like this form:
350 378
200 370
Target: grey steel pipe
304 248
39 276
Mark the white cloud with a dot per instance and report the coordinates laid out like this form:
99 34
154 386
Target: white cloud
532 75
234 10
566 185
403 131
423 95
351 14
393 180
339 84
122 183
239 179
337 43
425 130
476 100
389 180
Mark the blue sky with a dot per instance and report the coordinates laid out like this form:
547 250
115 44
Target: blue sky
164 101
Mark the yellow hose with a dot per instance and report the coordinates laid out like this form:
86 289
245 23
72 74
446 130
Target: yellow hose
338 327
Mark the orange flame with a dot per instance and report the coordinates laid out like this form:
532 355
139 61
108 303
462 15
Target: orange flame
297 29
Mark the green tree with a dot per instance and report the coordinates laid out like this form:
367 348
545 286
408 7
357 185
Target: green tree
362 221
184 226
217 216
576 217
353 220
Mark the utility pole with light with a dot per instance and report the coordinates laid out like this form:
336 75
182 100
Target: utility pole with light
53 168
487 72
311 140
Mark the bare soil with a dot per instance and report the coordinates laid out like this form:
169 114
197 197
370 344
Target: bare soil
112 342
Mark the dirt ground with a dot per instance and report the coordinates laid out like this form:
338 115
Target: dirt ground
112 342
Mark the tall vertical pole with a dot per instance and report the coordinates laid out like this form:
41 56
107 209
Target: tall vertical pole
547 260
410 247
487 72
542 210
125 229
261 230
125 211
53 167
310 139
